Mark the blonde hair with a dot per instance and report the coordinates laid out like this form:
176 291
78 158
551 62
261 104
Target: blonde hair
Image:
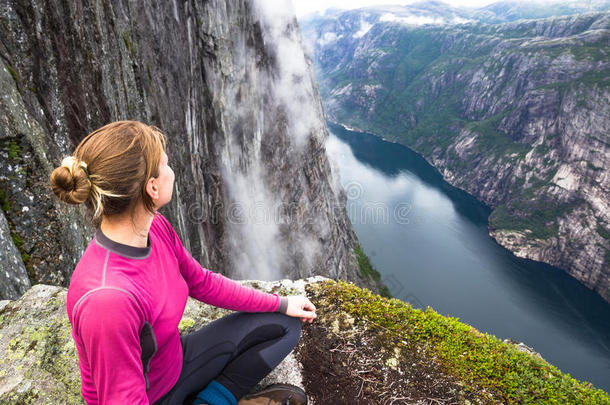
109 169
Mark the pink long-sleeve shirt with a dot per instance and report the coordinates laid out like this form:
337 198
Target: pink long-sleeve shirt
125 303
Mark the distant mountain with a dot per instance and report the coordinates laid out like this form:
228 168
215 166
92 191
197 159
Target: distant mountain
506 11
437 12
517 114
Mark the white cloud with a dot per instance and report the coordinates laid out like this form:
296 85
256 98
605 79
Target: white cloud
364 28
255 219
412 19
303 7
328 38
420 19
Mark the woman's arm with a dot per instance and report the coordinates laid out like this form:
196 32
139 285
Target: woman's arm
218 290
108 323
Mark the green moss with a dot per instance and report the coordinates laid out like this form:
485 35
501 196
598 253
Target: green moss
13 149
57 353
21 398
282 291
126 40
42 349
13 73
17 240
603 232
186 323
385 292
26 259
6 206
481 362
128 44
366 268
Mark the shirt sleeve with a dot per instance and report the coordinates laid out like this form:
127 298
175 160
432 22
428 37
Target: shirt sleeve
108 322
216 289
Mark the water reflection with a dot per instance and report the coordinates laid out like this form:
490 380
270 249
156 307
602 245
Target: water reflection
433 250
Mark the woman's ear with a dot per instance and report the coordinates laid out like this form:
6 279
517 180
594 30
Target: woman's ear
152 188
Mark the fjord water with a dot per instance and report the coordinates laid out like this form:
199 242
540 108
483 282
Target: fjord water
430 243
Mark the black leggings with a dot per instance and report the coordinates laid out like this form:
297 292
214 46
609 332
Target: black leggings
237 350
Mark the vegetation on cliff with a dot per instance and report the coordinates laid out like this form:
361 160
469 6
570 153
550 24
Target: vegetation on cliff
364 348
368 271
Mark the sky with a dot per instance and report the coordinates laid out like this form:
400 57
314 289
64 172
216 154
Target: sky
302 7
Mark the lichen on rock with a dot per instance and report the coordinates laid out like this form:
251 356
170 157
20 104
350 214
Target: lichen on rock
39 361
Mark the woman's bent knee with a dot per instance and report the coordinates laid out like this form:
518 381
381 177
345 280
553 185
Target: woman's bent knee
293 326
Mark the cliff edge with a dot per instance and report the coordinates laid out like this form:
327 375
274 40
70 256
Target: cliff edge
361 349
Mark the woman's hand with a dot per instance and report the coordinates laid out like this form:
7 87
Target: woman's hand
299 306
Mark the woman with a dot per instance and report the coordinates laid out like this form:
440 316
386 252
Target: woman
128 291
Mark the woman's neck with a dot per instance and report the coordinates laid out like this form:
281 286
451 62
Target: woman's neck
122 230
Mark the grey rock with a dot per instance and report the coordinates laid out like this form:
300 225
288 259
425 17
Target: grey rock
522 347
14 279
39 362
51 233
230 86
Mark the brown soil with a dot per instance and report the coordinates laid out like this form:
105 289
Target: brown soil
349 366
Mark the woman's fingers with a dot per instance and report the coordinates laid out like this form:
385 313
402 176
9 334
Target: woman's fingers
301 307
309 316
308 305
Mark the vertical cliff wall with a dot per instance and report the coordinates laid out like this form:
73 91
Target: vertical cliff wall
228 83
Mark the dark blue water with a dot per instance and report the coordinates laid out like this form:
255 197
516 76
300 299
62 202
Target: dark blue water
429 241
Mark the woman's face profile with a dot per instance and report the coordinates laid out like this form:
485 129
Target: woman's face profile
165 182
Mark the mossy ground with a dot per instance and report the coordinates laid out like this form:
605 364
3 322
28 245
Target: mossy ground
366 349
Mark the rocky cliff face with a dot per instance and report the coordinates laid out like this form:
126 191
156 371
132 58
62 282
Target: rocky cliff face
516 114
228 83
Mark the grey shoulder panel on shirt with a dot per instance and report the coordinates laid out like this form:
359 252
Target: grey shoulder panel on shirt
283 305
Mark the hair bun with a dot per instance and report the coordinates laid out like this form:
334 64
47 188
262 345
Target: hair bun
72 187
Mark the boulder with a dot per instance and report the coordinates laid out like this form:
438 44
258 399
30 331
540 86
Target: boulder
39 361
